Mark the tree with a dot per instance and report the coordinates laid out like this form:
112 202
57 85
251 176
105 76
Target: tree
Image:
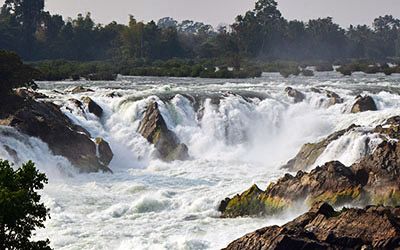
27 13
13 73
20 209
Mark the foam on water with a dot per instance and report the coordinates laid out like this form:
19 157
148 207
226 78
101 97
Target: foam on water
233 142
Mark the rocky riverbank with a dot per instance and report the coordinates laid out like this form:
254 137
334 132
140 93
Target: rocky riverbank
372 180
374 227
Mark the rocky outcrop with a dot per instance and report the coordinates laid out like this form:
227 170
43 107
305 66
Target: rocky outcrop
47 122
375 227
80 89
364 103
375 179
92 106
105 153
155 130
332 96
27 93
310 152
295 94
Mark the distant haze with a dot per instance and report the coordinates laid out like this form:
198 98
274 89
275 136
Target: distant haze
344 12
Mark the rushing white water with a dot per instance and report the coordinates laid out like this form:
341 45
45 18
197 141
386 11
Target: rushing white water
242 138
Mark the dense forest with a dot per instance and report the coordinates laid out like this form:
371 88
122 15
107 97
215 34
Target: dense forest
260 35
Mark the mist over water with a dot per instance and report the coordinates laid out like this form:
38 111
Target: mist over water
239 132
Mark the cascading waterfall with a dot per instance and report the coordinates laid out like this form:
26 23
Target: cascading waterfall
237 133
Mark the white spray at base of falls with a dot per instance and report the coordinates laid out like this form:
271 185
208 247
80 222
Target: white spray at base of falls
239 141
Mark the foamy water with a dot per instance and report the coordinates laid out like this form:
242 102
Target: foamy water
148 204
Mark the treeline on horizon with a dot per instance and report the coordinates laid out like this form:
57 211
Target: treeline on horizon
261 35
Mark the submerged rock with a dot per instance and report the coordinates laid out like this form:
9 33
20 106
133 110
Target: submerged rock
46 121
295 94
375 227
364 103
155 130
310 152
92 106
373 180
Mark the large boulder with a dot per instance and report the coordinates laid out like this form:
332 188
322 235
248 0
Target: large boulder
332 182
104 151
310 152
92 106
374 227
46 121
363 103
295 94
375 179
155 130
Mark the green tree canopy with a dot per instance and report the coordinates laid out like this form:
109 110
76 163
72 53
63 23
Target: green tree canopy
13 72
20 209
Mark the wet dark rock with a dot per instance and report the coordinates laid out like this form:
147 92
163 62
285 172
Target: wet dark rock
364 103
104 150
92 106
374 227
332 182
373 180
80 89
295 94
114 94
46 121
155 130
12 152
310 152
333 97
27 93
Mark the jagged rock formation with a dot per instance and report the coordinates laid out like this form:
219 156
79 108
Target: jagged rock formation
373 180
155 130
46 121
310 152
364 103
104 151
375 227
295 94
333 97
92 106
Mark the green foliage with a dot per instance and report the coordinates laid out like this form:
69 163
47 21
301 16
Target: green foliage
261 34
13 73
20 209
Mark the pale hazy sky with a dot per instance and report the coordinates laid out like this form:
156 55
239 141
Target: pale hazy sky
344 12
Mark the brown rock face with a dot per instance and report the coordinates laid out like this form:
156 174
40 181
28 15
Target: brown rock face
93 107
47 122
80 89
295 94
364 103
310 152
154 129
323 228
104 150
375 179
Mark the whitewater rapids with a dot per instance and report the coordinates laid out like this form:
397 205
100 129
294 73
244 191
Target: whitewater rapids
242 138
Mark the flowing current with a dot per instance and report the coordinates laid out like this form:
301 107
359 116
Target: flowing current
239 132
